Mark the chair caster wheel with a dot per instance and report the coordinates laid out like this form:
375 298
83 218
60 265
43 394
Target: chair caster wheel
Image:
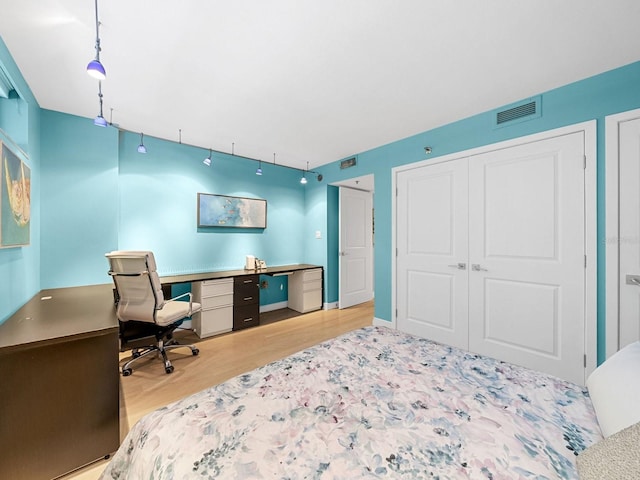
195 351
169 369
135 354
126 372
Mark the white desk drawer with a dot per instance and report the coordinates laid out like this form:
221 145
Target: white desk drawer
305 290
217 301
212 288
312 285
312 300
217 287
213 322
315 274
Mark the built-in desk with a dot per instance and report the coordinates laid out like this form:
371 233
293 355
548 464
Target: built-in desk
59 394
197 277
230 298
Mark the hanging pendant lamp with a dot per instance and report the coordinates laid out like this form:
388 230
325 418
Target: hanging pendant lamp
95 68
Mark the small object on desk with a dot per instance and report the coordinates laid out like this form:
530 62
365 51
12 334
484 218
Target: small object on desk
250 263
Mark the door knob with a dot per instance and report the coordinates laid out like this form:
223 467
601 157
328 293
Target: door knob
459 266
476 267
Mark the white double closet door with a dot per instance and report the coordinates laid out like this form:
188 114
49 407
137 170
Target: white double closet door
623 229
491 256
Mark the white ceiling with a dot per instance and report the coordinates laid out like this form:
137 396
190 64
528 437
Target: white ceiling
309 80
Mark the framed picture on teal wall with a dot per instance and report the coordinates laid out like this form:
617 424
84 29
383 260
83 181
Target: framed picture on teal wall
225 211
15 200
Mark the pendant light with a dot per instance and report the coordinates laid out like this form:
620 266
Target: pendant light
95 68
100 120
141 147
259 170
207 161
303 180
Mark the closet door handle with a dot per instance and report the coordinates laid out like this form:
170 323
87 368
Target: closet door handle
459 266
632 280
476 267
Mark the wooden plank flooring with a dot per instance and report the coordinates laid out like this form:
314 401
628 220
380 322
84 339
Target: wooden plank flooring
221 358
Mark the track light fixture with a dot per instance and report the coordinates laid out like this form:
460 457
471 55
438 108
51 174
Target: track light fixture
95 67
303 180
259 169
141 147
207 161
100 120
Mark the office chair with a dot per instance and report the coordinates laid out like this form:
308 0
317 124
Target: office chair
142 310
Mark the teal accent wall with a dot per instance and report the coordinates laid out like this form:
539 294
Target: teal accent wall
332 273
80 212
276 289
593 98
92 192
158 199
20 130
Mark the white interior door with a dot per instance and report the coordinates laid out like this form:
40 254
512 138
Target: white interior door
629 232
432 250
491 253
356 247
527 255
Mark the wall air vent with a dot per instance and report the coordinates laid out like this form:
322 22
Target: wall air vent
519 112
349 162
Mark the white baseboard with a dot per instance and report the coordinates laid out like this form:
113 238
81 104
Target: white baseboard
273 306
378 322
330 305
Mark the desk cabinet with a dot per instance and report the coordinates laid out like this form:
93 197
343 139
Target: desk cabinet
246 301
216 298
305 290
59 394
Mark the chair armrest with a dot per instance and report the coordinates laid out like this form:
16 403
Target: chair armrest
184 295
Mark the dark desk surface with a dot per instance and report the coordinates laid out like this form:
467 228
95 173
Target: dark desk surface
59 313
68 312
198 277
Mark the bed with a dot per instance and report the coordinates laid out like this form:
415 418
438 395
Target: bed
373 403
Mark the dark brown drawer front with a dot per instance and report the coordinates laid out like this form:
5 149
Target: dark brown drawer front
245 316
245 290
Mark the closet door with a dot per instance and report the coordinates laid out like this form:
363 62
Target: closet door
432 250
527 255
629 231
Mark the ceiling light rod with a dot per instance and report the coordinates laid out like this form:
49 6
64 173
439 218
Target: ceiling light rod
100 120
95 67
221 152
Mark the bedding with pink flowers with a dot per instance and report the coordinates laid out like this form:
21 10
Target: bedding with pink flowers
373 403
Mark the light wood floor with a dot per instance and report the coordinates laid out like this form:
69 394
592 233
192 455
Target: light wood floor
221 358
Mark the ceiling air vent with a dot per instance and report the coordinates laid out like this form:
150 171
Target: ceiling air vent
519 112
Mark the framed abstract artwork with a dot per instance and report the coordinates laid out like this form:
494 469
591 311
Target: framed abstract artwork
225 211
15 199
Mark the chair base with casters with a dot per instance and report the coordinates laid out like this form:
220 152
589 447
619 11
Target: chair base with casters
135 336
147 320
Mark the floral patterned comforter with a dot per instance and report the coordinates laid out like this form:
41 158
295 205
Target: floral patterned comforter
374 403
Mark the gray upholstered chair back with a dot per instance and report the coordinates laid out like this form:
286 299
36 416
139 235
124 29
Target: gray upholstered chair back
138 285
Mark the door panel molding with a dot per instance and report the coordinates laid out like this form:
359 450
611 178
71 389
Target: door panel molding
588 129
612 227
